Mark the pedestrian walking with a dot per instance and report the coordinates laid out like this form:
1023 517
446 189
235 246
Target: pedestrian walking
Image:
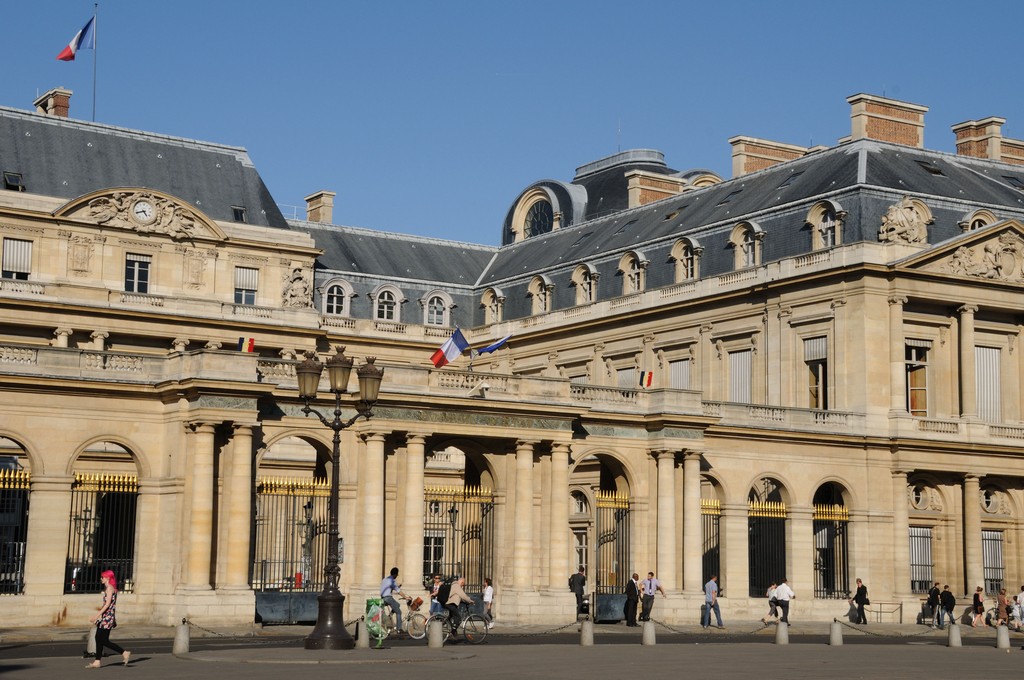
978 606
650 586
783 593
947 605
933 603
578 584
106 620
1002 609
773 604
860 598
711 603
488 598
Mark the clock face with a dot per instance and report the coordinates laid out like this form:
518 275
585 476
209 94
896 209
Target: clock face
144 212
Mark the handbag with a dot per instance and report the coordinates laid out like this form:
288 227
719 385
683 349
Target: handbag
866 601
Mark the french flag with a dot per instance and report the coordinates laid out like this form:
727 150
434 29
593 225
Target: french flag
85 39
451 350
246 344
646 378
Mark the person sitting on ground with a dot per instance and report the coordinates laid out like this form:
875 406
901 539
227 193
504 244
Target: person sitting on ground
456 597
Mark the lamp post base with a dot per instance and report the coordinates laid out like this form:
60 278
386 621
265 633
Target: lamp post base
329 632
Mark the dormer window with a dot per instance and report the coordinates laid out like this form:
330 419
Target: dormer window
746 243
13 181
239 213
539 219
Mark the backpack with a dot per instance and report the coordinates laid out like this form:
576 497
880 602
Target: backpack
444 592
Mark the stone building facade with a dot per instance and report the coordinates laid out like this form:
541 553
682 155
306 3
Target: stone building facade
810 370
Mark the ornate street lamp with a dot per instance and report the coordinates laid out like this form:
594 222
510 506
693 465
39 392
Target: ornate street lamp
329 632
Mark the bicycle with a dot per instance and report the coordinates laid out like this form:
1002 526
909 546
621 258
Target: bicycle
474 626
380 620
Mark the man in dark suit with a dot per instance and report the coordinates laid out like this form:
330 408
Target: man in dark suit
578 584
632 598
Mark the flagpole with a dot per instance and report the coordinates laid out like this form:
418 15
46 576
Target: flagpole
95 54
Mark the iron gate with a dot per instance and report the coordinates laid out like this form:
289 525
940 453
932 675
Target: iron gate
613 555
102 532
14 496
458 533
831 552
290 547
766 545
711 560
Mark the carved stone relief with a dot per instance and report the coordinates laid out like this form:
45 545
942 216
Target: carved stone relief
195 269
994 501
905 222
298 290
143 213
80 250
923 497
1001 259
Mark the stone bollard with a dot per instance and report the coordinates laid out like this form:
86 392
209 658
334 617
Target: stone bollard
782 634
953 637
587 633
835 634
90 641
648 639
1002 637
435 634
362 635
181 638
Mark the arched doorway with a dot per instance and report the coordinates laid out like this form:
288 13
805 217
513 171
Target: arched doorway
15 478
831 543
766 535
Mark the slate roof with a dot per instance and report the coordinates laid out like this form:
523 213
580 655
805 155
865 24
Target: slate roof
68 158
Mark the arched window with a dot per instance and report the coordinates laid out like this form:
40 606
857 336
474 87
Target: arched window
540 290
746 243
827 228
493 302
686 253
585 281
977 219
437 306
387 306
632 266
539 219
334 300
825 222
435 311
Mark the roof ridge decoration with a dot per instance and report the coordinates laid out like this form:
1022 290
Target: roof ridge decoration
143 211
906 222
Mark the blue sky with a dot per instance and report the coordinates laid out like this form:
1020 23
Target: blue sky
429 118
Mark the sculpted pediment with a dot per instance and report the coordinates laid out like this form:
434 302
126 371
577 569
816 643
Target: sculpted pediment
994 253
142 211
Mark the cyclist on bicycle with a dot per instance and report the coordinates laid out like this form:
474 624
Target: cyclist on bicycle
388 588
456 597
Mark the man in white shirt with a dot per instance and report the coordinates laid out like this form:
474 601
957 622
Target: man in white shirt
650 586
783 593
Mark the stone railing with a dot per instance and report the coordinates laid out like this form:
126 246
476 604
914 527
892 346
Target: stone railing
110 361
250 311
591 393
276 371
17 286
389 327
138 299
331 321
758 415
1006 431
939 426
19 355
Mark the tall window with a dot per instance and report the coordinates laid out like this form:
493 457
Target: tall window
335 300
987 383
687 264
386 306
136 273
17 259
433 551
747 250
626 377
585 282
827 228
436 311
920 559
917 377
815 359
740 373
246 284
540 292
580 547
992 560
679 374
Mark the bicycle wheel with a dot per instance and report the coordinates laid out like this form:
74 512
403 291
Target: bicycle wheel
416 626
378 622
446 626
475 628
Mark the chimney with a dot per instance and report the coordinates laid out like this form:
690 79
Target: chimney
647 187
56 102
886 120
320 207
984 139
750 154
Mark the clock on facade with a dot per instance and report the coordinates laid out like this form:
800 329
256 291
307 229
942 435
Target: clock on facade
143 212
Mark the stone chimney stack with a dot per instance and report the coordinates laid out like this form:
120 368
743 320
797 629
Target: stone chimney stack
56 102
750 154
320 207
984 139
886 120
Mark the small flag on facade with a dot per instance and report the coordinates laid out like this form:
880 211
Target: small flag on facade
246 344
85 39
451 350
494 345
646 377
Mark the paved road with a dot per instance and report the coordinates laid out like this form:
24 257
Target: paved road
904 652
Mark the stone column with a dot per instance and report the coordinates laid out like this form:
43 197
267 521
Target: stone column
60 337
666 550
974 565
897 361
50 497
238 509
522 559
693 528
99 339
371 506
735 548
200 531
558 558
412 526
900 534
968 388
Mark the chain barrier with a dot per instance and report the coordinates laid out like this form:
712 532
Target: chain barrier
543 632
707 634
851 626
